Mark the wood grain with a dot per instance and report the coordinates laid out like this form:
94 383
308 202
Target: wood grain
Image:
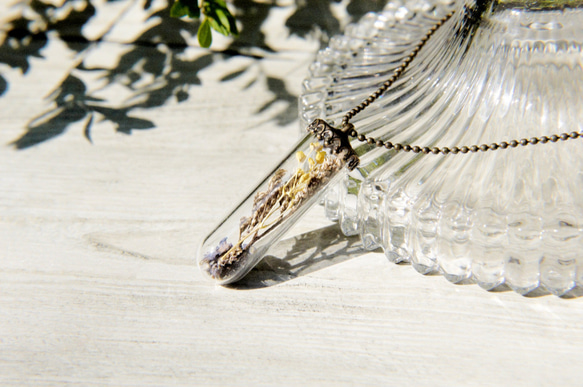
98 283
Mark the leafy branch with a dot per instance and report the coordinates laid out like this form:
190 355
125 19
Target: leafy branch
216 16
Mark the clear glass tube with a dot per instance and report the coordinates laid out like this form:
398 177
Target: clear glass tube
240 240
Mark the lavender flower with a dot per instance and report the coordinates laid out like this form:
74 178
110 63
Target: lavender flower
271 207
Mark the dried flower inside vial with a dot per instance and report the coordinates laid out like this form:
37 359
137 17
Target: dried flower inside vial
213 256
316 146
223 259
301 156
272 206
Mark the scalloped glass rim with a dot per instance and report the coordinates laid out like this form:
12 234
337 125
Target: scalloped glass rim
465 91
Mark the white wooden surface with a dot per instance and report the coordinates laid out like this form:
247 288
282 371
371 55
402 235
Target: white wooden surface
98 283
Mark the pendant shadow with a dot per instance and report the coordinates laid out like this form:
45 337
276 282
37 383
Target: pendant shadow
318 249
301 255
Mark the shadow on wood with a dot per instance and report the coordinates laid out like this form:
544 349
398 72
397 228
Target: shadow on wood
301 255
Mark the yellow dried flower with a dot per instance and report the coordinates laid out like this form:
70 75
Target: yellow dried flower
311 162
301 156
304 179
316 146
320 156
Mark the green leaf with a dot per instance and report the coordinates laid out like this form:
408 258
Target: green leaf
223 19
177 10
217 26
219 3
232 24
205 37
220 18
182 8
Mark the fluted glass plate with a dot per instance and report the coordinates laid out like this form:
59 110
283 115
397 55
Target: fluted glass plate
496 71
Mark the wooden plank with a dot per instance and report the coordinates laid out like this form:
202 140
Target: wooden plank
98 283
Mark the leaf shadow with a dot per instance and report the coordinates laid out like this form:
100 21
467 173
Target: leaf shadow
154 70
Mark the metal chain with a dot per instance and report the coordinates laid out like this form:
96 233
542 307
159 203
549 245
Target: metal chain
348 128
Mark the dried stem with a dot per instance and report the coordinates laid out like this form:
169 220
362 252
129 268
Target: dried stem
272 206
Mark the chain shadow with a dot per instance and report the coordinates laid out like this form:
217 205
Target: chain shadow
301 255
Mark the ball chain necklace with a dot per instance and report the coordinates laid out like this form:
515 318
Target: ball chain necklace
239 242
348 128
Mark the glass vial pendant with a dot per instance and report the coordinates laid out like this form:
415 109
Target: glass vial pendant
239 242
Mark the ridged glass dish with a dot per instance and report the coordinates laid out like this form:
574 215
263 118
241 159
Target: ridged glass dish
496 71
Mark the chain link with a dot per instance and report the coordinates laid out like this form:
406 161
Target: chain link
348 128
